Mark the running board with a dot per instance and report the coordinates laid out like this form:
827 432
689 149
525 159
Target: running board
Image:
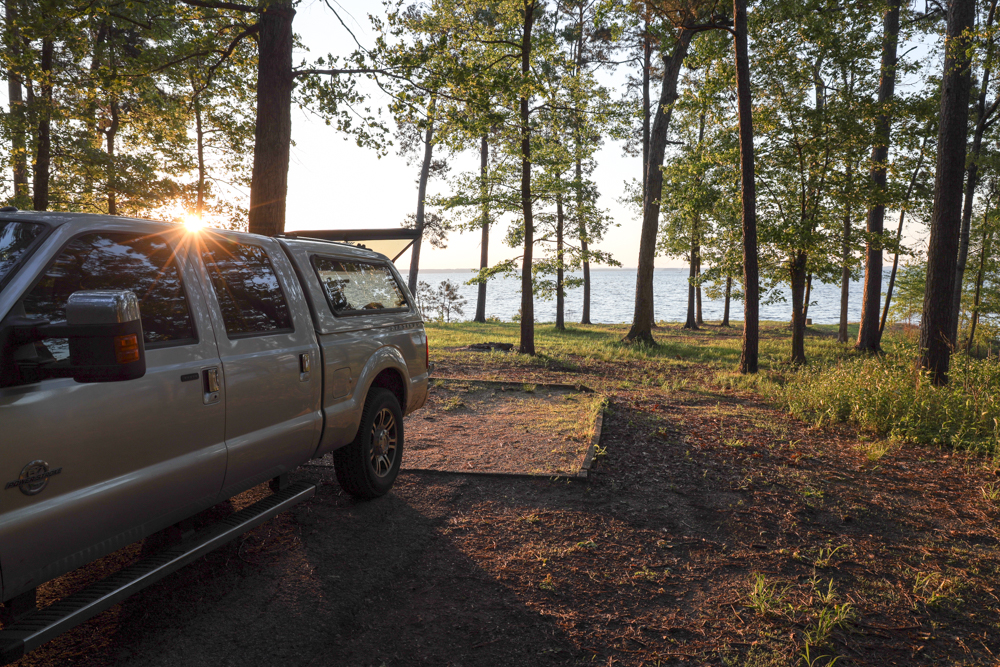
38 627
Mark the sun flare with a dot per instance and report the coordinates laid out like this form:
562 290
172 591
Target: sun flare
193 222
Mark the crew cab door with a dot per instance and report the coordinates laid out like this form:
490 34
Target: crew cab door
269 354
125 458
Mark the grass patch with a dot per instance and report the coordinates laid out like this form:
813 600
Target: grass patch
889 399
883 395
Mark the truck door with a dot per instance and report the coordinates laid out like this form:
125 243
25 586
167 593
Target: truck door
270 358
124 459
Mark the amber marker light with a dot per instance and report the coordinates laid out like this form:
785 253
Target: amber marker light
126 349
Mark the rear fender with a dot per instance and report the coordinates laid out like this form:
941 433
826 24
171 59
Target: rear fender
344 418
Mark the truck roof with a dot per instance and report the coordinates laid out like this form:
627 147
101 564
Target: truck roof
59 218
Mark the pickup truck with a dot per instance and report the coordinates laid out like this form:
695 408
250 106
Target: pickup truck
148 372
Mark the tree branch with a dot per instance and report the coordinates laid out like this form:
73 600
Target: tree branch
212 4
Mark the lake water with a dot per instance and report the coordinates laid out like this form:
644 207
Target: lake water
612 298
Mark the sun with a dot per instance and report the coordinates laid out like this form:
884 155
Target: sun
193 222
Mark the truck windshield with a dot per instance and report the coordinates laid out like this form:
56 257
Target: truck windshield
15 239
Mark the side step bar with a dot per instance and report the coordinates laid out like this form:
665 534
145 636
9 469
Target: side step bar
38 627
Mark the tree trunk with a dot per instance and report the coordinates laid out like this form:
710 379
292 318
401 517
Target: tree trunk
899 237
691 322
484 244
751 277
805 305
19 151
647 55
725 311
585 317
946 219
972 177
845 280
43 149
112 175
869 339
647 52
560 294
643 315
984 251
273 132
90 112
697 292
199 131
845 269
797 272
527 343
425 170
581 218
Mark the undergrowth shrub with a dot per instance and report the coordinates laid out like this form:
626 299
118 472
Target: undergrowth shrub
888 396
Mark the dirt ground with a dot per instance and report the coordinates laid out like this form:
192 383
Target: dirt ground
714 530
501 428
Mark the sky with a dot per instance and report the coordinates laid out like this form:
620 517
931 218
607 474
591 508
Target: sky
332 183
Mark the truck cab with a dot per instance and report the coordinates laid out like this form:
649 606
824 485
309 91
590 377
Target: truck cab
258 354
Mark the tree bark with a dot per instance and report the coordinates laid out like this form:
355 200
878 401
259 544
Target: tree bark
273 131
527 342
43 149
112 171
797 271
845 270
869 339
697 291
585 317
845 280
560 293
697 288
751 277
484 244
972 176
199 131
19 151
581 218
725 311
425 170
643 315
647 53
690 322
946 219
805 305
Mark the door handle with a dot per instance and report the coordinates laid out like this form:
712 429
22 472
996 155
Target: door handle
305 362
210 380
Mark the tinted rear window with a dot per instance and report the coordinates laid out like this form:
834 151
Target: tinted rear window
15 240
249 294
352 286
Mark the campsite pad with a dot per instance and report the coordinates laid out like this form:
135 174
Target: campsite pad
474 426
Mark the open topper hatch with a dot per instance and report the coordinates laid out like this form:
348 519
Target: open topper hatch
392 242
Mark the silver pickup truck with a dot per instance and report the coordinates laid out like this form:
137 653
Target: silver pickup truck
148 372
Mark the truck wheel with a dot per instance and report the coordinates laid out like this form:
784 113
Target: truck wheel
367 467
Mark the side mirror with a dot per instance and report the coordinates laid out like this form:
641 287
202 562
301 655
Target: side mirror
105 336
104 329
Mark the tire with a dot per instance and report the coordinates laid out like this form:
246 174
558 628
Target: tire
367 467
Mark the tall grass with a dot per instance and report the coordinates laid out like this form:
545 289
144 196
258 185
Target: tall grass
889 397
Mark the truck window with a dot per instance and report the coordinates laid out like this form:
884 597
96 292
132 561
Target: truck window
244 281
143 264
352 286
15 239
